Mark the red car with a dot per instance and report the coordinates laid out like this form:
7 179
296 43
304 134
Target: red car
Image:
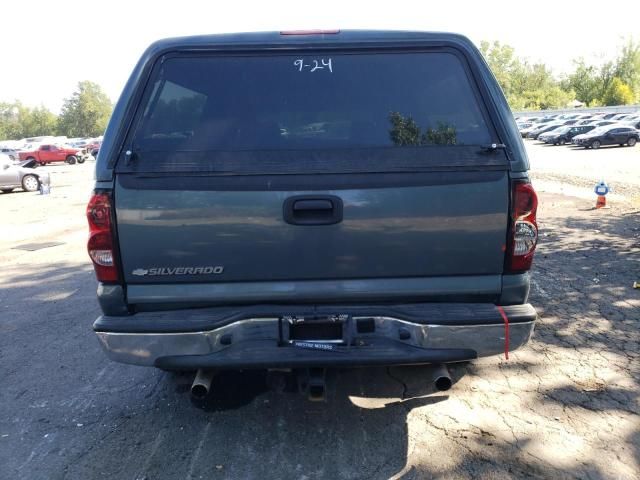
53 153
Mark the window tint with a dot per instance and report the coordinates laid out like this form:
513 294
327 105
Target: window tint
312 101
175 113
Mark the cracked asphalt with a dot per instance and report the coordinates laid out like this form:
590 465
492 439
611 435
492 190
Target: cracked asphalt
565 406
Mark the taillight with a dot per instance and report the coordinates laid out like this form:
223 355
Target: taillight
524 229
100 245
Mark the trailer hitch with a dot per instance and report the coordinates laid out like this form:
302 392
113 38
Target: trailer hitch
312 383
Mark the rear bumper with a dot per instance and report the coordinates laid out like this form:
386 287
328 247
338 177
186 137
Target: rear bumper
253 337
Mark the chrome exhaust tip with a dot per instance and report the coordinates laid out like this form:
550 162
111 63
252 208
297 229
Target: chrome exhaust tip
441 377
202 384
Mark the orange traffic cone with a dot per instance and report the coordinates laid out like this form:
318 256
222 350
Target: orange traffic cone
601 202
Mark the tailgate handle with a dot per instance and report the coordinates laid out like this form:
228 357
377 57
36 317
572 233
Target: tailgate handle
300 205
313 210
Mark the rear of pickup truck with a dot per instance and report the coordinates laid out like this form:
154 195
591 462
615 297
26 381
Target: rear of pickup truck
312 200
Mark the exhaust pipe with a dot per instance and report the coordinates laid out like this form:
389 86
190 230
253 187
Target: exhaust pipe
441 377
202 384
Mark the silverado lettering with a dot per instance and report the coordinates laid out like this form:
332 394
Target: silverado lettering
178 271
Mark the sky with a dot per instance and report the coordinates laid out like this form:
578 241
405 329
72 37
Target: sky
47 47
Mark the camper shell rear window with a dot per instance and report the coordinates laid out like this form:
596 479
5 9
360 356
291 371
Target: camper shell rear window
263 112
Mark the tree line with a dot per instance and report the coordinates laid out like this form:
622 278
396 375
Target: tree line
84 114
527 86
532 86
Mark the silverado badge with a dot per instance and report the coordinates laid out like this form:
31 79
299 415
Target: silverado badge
157 271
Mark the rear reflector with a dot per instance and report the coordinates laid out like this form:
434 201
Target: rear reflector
101 245
524 229
309 32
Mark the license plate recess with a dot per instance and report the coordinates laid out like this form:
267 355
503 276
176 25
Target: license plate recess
315 328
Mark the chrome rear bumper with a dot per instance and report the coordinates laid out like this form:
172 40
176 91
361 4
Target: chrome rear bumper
253 342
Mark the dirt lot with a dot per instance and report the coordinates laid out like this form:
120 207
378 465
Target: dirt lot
566 406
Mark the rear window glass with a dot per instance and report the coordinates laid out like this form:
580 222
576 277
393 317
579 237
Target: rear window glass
311 101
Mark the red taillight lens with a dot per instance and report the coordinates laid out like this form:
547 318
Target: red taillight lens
524 229
100 245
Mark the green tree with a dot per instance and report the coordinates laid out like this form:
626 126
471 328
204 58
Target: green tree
605 76
618 93
8 120
18 121
443 134
585 81
86 112
404 130
507 69
526 85
39 121
627 67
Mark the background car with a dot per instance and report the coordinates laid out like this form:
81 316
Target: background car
543 129
525 131
10 152
14 176
610 135
564 135
603 123
54 153
619 117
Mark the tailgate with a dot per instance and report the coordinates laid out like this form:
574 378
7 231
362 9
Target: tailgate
439 224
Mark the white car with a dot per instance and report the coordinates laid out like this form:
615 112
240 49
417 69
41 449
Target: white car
11 153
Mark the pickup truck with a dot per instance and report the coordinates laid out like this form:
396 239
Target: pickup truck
53 153
306 200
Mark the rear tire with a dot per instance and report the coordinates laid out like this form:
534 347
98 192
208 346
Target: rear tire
30 183
72 159
595 144
81 159
632 142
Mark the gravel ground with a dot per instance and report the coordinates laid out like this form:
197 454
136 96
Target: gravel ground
566 406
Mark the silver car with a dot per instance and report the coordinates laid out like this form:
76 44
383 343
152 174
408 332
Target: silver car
23 176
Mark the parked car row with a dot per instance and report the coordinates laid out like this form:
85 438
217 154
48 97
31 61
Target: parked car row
585 130
49 149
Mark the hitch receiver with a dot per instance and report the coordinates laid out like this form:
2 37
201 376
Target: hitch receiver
312 382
